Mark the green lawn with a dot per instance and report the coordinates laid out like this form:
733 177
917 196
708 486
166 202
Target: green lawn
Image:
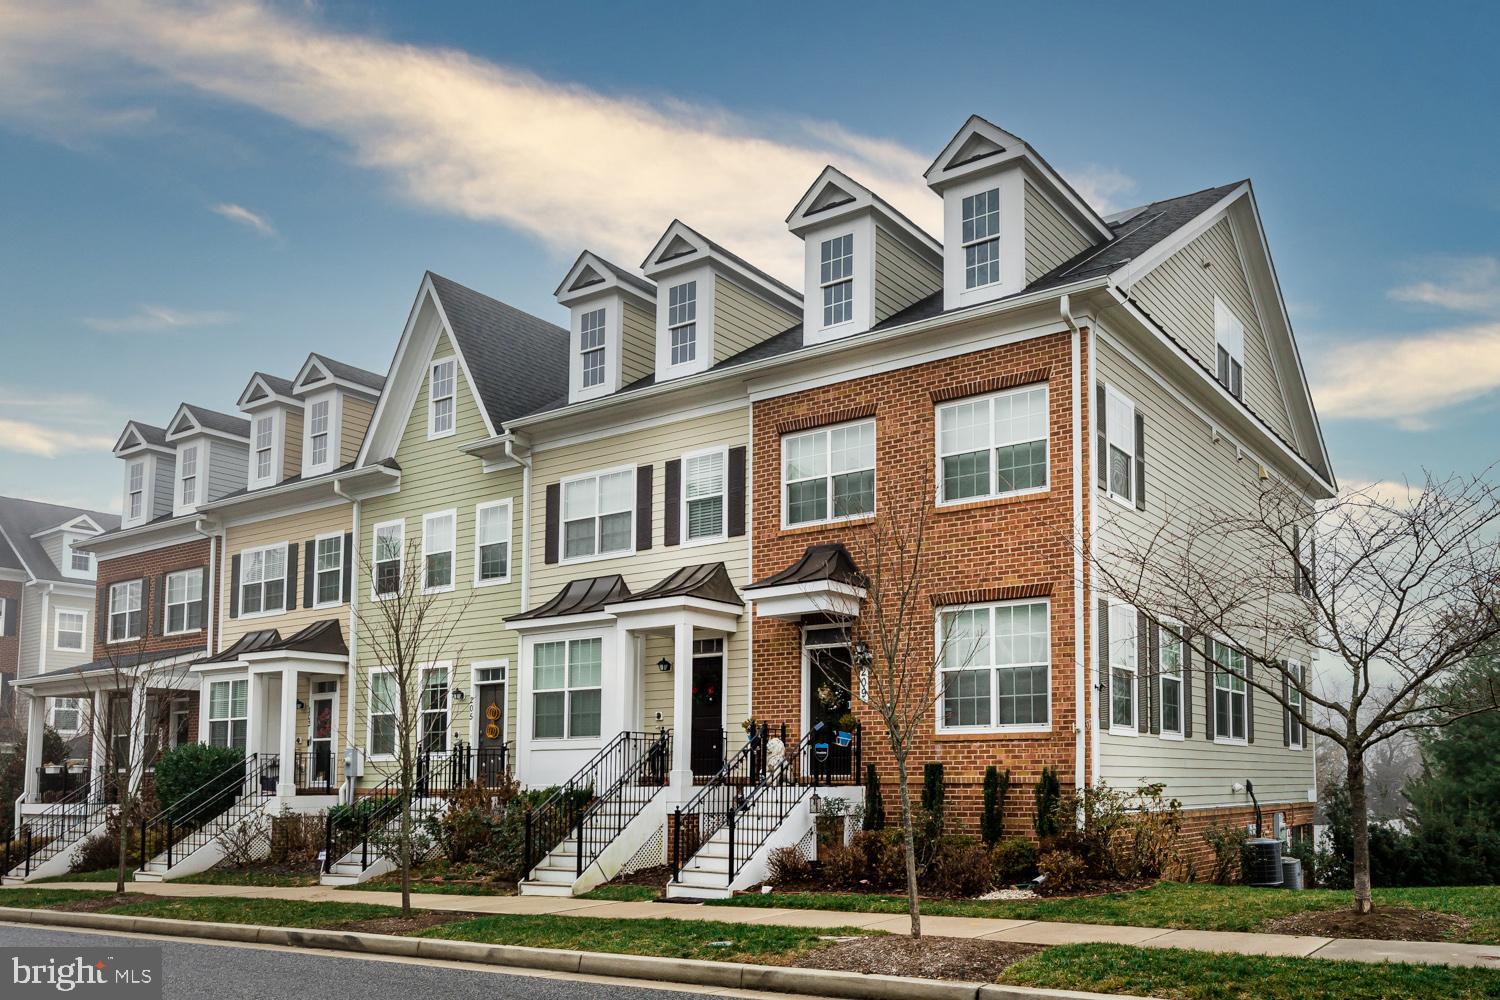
1174 974
248 876
625 893
1170 904
27 898
102 875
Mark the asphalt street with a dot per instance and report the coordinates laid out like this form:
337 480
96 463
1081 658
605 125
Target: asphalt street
230 972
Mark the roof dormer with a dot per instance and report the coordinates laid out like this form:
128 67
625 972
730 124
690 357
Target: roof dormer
613 327
710 304
58 542
211 455
275 415
149 465
1008 217
337 403
863 260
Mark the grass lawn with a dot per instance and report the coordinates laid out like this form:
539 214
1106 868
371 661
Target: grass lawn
248 876
1174 974
1169 904
625 893
39 899
441 888
102 875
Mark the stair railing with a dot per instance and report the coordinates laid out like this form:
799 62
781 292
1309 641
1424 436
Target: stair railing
228 796
46 834
715 803
606 817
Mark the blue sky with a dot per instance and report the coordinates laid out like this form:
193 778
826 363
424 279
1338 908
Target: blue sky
192 192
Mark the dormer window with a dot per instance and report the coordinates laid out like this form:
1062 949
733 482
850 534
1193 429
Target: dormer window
591 347
79 562
440 399
1229 344
682 321
317 429
188 475
837 279
135 500
265 448
981 238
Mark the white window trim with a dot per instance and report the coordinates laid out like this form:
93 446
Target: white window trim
993 494
144 463
400 525
696 323
1029 727
52 710
562 519
452 514
682 506
528 667
423 669
276 417
996 237
1213 665
432 367
208 711
510 546
1233 344
108 638
824 286
1294 695
1128 499
286 586
199 451
602 350
343 559
334 399
370 714
875 468
166 611
1185 695
1133 728
83 631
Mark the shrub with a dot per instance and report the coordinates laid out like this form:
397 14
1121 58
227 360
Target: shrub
1048 797
1122 834
102 850
874 804
241 843
992 821
843 867
1227 841
191 780
932 797
787 866
1062 872
1013 860
296 837
961 867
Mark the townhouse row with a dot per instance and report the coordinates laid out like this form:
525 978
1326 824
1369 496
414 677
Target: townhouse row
647 524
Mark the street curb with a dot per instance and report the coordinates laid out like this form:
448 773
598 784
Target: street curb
647 968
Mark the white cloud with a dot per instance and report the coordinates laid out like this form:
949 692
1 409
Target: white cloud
156 319
1407 380
245 217
1102 187
1464 284
30 438
48 424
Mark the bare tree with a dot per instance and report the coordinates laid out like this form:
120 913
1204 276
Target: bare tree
1388 593
408 626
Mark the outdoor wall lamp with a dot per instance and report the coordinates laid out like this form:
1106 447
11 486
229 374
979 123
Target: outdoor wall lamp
300 706
862 654
664 665
458 694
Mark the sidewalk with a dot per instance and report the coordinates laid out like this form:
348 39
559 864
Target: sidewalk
1043 932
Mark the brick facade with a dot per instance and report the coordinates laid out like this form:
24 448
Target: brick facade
10 654
151 566
1197 857
979 551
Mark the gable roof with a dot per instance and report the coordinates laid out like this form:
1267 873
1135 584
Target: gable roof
208 420
139 435
20 520
263 388
684 241
357 378
584 277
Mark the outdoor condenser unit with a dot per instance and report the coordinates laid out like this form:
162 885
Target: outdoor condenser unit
1263 861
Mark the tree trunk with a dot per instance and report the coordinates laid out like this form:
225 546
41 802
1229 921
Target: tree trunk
910 841
126 815
404 853
1359 818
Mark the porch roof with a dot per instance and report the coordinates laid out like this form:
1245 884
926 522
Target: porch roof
817 564
325 637
579 597
705 581
101 673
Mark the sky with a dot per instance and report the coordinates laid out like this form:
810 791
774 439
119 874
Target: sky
191 192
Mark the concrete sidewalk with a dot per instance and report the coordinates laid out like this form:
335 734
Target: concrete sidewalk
1043 932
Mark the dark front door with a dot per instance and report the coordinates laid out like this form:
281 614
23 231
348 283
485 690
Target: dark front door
708 712
490 704
829 677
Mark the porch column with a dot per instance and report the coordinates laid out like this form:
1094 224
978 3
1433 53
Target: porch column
618 711
287 785
36 724
682 710
137 735
99 724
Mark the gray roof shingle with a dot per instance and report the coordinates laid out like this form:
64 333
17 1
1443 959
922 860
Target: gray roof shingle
20 519
213 420
349 373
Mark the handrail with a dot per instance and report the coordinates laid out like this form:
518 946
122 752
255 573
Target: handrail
199 821
51 831
714 802
594 829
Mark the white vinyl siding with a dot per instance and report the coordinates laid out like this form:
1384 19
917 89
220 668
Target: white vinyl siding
828 474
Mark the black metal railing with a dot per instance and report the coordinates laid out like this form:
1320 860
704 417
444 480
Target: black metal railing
198 818
709 810
631 767
60 780
313 773
43 836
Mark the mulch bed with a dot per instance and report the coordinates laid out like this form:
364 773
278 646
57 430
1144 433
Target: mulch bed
656 877
418 921
964 959
1387 923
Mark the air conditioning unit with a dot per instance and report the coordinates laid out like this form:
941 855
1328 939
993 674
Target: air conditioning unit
1263 861
1291 873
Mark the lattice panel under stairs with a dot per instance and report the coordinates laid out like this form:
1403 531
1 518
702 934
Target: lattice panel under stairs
653 854
808 845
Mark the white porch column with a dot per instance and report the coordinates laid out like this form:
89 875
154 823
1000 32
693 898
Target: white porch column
287 785
255 718
36 724
617 712
137 735
682 710
99 722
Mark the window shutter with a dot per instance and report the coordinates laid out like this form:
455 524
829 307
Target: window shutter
672 522
1286 713
1208 690
554 525
234 586
309 572
735 516
1187 684
101 615
349 557
644 480
291 577
1140 461
1297 587
1153 686
159 606
1307 740
1101 447
7 616
1249 702
1102 693
1142 672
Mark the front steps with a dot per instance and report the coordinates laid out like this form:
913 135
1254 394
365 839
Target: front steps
57 858
757 833
202 849
351 869
557 873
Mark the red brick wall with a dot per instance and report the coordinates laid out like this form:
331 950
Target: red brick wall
10 646
1195 854
150 566
1010 542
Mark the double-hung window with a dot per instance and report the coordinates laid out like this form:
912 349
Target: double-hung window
994 666
68 630
188 475
1229 348
432 732
836 278
1169 674
228 713
703 493
981 238
437 550
682 322
989 446
265 447
1119 426
598 514
1124 664
328 562
263 580
1296 731
492 542
135 502
67 715
566 692
440 397
389 555
381 727
591 347
1231 698
126 618
80 562
184 602
828 474
317 430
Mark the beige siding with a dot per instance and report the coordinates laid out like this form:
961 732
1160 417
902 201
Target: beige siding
638 350
1179 294
356 419
1050 238
1185 468
292 460
901 275
743 319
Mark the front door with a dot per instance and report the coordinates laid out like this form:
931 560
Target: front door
829 697
321 741
490 704
708 706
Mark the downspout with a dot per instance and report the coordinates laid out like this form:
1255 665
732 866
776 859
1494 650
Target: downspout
525 464
354 586
41 653
1080 716
212 593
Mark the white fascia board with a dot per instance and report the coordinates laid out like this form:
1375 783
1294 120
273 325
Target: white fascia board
378 419
560 622
142 538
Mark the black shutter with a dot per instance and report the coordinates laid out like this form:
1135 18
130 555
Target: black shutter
554 514
1101 438
1153 687
1142 673
672 522
309 573
736 513
1187 685
204 604
291 577
644 480
1286 713
159 605
8 616
1297 586
1103 693
1140 461
234 586
101 615
348 566
1209 720
1249 701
